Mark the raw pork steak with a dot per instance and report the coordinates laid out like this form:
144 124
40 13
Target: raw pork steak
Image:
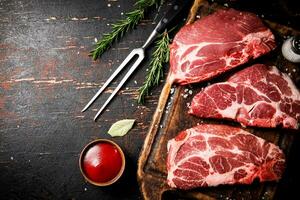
217 43
210 155
256 96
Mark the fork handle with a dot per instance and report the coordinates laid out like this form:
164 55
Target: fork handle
176 8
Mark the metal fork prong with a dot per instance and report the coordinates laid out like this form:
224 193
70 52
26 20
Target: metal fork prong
116 72
128 74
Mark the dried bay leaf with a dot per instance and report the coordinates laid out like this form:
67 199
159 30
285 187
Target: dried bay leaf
121 128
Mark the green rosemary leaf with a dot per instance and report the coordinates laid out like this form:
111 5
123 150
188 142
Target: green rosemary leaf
160 57
122 26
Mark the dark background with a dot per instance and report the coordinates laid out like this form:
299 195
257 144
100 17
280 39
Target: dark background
46 77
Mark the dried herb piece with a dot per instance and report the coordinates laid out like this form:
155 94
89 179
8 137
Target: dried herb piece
121 128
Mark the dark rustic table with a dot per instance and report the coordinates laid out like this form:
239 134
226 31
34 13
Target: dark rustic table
46 77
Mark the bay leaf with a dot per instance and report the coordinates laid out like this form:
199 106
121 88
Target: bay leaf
121 128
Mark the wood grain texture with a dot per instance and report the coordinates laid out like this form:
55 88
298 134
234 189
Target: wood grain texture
152 172
46 77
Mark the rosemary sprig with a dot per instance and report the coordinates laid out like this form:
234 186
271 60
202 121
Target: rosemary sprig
122 26
160 56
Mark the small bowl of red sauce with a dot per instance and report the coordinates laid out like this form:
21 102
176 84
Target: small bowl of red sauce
102 162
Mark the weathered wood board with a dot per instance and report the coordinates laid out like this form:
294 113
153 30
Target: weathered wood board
152 171
46 78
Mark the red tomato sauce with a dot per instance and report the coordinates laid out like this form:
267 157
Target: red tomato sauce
102 162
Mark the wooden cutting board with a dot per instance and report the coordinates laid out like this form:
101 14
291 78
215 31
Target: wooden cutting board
152 172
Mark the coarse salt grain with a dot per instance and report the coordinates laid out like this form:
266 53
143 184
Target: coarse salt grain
172 90
190 92
12 158
122 13
109 5
185 90
185 96
135 82
96 40
294 70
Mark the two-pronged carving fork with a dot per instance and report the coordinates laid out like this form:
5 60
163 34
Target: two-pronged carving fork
176 7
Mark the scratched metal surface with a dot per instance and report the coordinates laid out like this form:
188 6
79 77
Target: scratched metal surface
46 77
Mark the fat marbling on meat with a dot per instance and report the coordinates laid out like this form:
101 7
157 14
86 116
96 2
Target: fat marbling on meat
216 43
258 95
210 155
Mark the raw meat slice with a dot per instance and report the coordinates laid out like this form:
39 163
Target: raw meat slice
210 155
256 96
217 43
